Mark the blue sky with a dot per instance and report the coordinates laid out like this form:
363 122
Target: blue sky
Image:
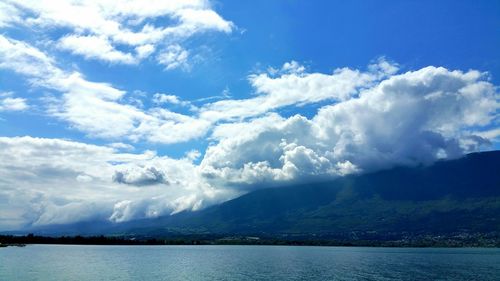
182 104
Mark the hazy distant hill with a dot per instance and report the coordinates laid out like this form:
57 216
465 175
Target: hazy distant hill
457 196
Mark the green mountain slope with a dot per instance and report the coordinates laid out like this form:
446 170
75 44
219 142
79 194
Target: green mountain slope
457 196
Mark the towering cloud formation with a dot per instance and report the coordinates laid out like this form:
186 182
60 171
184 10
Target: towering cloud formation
406 119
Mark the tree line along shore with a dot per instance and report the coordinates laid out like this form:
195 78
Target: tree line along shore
426 241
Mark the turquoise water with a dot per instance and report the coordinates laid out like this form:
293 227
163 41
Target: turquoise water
65 262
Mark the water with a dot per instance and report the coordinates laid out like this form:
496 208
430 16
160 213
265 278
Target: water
64 262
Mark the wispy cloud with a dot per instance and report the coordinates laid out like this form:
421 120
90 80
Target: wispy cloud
99 29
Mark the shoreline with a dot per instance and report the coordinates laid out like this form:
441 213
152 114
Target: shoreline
21 241
275 245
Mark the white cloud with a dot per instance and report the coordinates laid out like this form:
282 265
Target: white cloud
406 119
96 108
10 103
84 178
292 67
96 29
98 48
493 134
121 146
174 57
8 14
25 59
144 51
47 181
140 176
13 104
160 98
294 86
193 155
194 19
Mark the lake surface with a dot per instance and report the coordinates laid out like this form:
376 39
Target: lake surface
68 262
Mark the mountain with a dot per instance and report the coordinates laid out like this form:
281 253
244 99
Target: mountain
455 197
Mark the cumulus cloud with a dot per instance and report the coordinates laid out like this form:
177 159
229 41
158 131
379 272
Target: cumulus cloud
98 29
406 119
140 176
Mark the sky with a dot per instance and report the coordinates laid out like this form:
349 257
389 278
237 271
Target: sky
129 109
